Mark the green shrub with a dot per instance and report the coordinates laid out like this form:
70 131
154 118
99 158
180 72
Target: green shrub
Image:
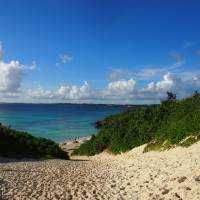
171 121
20 144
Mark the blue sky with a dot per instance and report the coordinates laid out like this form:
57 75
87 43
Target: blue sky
104 43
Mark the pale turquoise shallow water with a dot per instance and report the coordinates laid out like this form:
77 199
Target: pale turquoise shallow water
58 122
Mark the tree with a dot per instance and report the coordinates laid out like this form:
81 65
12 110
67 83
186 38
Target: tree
196 93
171 96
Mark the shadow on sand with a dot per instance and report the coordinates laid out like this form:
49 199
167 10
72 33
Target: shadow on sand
11 160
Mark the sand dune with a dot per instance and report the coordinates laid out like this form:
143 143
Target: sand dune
173 174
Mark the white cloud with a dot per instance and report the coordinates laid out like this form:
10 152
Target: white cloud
66 58
67 92
40 93
73 92
170 81
11 75
122 91
174 83
122 87
114 90
151 86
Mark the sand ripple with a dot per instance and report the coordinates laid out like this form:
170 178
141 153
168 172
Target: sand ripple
173 174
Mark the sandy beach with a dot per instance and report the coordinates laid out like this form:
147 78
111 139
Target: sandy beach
173 174
71 145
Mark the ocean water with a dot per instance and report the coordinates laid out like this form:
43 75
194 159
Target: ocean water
58 122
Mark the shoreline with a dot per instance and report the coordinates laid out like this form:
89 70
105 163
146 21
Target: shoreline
70 145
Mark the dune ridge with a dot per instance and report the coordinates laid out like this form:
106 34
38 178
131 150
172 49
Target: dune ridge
172 174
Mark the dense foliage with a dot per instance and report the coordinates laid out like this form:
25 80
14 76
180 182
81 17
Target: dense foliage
168 123
20 144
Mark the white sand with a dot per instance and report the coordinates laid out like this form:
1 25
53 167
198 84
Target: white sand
70 146
173 174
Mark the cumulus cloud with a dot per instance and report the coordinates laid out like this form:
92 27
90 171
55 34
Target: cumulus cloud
67 92
170 81
74 92
11 74
121 91
174 83
114 90
129 90
66 58
40 93
121 87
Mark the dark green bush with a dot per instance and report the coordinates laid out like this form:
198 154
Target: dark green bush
20 144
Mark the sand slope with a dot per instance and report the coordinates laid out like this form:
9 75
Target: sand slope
173 174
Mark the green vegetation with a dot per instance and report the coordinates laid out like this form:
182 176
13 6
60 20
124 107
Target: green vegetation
161 126
20 144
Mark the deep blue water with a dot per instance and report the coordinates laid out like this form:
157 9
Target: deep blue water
58 122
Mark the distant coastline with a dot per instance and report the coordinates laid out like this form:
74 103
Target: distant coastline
88 104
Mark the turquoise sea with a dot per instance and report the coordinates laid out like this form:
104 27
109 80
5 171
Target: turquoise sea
58 122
